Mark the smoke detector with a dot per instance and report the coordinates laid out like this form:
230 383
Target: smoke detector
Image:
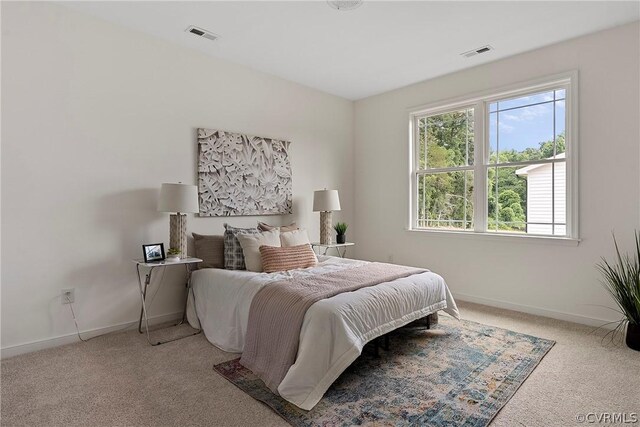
200 32
478 51
344 4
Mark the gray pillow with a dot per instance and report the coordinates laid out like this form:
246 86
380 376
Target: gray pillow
263 226
233 255
210 249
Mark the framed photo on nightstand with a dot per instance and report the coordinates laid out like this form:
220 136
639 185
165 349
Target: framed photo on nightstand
153 252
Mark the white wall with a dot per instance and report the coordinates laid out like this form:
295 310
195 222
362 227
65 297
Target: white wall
545 278
94 118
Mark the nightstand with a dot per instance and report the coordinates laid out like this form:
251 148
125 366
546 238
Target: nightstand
188 263
340 248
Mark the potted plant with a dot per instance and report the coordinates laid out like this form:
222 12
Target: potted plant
622 281
341 230
173 254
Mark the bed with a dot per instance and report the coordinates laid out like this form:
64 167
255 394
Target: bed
334 330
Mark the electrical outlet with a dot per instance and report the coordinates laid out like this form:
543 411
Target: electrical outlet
68 296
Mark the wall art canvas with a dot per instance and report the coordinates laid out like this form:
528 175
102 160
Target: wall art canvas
241 174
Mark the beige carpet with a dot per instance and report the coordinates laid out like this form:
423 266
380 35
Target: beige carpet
119 379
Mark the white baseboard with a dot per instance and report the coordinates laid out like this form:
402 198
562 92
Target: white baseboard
32 346
554 314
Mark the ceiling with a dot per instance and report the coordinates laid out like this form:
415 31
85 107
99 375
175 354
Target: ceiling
380 46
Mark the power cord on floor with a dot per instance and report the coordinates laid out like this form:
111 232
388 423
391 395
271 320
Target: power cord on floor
75 321
73 313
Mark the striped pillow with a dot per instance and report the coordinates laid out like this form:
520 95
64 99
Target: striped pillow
233 254
288 258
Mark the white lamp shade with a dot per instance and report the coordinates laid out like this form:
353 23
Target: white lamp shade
178 198
326 201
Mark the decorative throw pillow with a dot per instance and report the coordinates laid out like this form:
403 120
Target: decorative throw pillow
251 247
294 238
266 227
233 255
283 259
210 249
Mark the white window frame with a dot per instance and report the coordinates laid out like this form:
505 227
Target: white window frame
480 102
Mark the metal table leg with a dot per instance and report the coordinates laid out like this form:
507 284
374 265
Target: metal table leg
189 292
143 311
186 301
147 280
143 296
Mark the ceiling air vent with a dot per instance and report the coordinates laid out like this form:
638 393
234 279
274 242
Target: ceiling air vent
202 33
477 51
345 4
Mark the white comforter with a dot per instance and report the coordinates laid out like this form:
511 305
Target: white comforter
334 330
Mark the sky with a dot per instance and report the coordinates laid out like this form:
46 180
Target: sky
526 121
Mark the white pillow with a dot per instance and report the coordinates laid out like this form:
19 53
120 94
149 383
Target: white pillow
251 247
294 238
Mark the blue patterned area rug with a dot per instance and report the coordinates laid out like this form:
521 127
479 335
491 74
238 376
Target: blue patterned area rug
456 374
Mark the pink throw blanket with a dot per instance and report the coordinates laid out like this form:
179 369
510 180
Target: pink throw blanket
277 312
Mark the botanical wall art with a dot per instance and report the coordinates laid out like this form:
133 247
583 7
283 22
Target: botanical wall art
242 174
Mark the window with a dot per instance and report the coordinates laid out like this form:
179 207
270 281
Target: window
445 170
501 163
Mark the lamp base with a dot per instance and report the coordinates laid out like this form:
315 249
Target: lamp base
325 228
178 233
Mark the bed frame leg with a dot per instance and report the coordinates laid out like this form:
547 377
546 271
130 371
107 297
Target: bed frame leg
376 345
428 322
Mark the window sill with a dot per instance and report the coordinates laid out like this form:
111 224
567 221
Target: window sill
504 237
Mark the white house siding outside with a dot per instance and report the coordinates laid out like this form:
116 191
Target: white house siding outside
540 203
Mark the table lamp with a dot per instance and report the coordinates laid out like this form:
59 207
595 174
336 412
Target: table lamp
178 199
325 201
